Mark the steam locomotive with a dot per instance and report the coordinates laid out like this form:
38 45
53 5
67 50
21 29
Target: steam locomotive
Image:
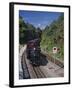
33 47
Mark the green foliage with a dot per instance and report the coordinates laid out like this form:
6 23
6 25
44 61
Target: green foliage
53 35
23 27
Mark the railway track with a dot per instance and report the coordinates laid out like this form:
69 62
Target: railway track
38 72
34 71
26 74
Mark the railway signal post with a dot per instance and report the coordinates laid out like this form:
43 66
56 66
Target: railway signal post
55 49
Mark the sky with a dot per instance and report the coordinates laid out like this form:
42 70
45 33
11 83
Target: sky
39 18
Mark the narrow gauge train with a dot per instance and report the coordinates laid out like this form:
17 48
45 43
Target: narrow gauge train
33 48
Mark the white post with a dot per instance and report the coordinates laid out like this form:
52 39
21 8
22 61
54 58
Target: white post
54 52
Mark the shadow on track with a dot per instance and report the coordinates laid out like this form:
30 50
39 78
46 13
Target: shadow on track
43 60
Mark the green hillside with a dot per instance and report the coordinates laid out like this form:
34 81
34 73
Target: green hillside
53 36
23 27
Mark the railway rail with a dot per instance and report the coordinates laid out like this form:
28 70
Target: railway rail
38 72
26 74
